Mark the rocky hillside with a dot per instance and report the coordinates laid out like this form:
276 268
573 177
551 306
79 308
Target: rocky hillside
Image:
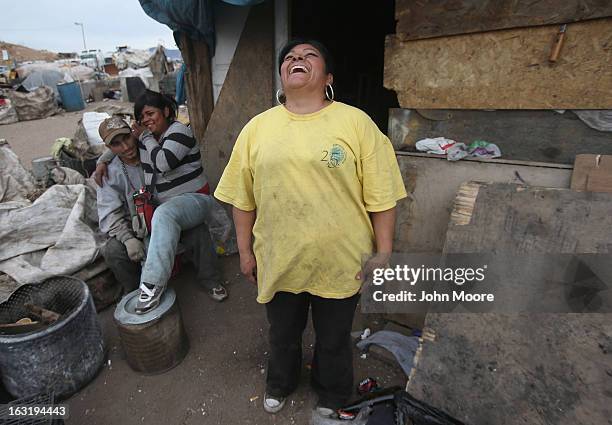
22 53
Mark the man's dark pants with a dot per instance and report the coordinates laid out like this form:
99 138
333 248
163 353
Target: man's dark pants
199 251
332 365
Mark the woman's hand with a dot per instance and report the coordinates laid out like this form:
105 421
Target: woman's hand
100 173
248 267
378 261
137 129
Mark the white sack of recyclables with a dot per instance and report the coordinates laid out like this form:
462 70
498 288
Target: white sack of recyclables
91 122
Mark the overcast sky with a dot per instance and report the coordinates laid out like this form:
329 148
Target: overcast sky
49 24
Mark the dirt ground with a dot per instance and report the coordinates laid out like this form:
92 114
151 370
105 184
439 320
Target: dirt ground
221 380
33 139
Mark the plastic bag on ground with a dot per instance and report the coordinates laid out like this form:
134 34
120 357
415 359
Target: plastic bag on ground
410 411
220 228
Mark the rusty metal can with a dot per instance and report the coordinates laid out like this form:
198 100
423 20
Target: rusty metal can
368 385
346 416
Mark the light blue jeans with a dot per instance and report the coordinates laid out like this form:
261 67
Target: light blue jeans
182 212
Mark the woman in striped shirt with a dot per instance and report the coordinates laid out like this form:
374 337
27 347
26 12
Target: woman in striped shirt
171 162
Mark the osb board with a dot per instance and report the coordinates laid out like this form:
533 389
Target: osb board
506 69
544 136
435 18
532 368
248 90
589 170
432 183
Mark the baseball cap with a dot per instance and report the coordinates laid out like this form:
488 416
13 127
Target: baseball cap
111 127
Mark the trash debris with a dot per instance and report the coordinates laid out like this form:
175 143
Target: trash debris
455 151
46 316
436 145
366 333
403 347
252 399
367 385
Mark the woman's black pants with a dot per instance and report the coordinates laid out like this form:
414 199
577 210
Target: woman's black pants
332 364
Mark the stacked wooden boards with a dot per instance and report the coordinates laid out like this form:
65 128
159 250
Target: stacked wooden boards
532 368
432 183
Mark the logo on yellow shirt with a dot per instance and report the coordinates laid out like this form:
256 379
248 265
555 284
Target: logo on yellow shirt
334 157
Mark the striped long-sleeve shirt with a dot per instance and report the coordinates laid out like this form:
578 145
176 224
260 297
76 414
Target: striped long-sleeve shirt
176 159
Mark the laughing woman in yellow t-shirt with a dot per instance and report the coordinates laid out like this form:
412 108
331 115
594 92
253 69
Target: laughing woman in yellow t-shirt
314 183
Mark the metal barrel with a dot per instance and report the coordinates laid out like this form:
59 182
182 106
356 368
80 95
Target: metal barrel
154 342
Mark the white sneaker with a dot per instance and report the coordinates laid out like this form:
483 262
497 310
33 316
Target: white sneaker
272 404
148 298
218 294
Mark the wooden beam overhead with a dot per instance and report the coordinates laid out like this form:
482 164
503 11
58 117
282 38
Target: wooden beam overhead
436 18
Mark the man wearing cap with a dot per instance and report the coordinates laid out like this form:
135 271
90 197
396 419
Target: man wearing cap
124 251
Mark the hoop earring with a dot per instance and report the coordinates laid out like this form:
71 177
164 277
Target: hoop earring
327 95
279 94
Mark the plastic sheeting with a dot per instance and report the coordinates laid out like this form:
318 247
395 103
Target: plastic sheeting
144 74
54 235
193 17
43 77
77 72
598 119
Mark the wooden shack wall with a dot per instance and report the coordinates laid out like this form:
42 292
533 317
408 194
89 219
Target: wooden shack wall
432 183
507 69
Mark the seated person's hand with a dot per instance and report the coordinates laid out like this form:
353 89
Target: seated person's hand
100 173
135 249
137 129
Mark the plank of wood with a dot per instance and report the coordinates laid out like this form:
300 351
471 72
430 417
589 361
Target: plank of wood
505 69
432 183
198 83
599 181
514 369
592 173
248 90
538 135
436 18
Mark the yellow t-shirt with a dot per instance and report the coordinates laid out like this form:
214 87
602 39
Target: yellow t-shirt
312 179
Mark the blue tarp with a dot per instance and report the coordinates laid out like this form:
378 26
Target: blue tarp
193 17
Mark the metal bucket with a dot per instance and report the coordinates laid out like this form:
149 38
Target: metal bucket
153 342
61 357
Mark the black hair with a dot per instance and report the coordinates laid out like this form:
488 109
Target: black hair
327 57
157 100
